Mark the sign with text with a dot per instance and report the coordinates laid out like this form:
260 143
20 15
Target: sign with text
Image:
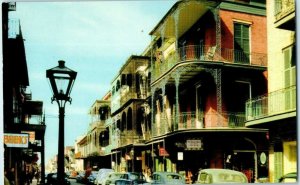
194 144
16 140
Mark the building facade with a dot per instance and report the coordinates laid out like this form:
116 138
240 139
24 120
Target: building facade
196 97
129 128
23 118
209 59
276 111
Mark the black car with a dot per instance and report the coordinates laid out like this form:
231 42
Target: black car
80 177
52 179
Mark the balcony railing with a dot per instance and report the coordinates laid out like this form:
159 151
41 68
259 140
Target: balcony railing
283 8
126 94
126 137
189 120
204 53
278 102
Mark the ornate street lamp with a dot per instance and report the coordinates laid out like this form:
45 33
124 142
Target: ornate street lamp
61 80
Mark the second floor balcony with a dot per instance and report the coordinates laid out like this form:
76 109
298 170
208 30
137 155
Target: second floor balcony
165 123
202 54
124 138
274 103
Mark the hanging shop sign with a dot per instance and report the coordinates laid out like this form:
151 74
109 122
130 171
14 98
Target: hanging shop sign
163 152
194 144
16 140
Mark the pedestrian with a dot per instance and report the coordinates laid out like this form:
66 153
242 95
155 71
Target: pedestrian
37 175
189 176
11 176
6 181
27 175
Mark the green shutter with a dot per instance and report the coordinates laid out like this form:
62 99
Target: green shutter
241 43
278 165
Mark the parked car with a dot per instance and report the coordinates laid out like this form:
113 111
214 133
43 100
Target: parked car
131 178
73 175
213 176
102 176
92 177
166 178
289 177
52 179
80 177
112 177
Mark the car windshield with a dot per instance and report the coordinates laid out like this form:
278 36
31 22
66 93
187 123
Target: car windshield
135 176
173 176
225 177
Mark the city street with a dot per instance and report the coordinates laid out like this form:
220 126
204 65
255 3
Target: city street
188 91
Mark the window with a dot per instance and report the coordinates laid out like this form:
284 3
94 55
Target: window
129 80
290 66
129 119
118 86
290 77
123 79
241 43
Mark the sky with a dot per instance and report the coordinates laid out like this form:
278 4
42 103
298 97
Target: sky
95 39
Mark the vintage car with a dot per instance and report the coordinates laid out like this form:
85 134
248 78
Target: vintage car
131 178
112 177
166 178
217 176
102 176
52 179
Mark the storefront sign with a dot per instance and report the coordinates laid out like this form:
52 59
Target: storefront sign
194 144
31 135
163 152
16 140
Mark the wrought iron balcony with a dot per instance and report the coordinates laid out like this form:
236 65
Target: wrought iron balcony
125 138
165 123
277 102
204 53
283 8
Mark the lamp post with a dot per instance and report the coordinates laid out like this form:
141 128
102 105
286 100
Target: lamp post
61 80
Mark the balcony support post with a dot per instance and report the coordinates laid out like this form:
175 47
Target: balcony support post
217 75
152 113
216 13
177 78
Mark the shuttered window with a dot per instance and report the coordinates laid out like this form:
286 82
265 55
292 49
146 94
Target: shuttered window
290 77
241 43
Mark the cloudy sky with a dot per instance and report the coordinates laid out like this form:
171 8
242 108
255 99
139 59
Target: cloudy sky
94 38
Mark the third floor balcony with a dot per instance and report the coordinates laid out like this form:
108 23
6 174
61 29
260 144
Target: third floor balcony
284 12
204 54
